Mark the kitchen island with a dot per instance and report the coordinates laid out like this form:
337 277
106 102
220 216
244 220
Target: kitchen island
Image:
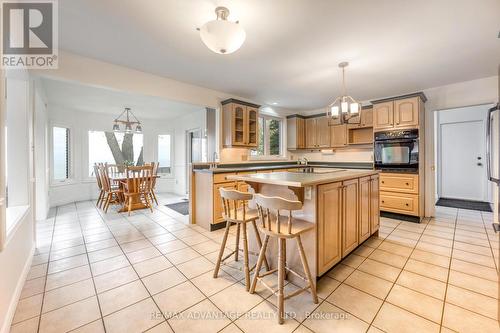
342 203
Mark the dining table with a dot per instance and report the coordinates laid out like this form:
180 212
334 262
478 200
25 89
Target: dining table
122 181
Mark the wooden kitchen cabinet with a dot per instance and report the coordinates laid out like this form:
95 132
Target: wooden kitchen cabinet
310 132
317 132
323 132
296 132
338 136
350 216
364 209
399 182
217 203
406 112
402 112
240 123
374 204
383 115
329 226
365 118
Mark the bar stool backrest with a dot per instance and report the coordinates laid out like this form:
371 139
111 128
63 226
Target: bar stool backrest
232 200
269 211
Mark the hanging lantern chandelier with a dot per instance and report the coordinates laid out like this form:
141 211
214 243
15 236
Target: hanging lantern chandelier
129 120
343 107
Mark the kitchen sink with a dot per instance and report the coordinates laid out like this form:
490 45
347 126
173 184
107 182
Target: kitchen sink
317 170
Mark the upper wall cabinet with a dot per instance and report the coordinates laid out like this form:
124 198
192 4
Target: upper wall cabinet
365 118
404 112
240 123
296 132
317 132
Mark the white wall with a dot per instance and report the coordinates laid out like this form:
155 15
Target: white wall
41 152
475 92
16 255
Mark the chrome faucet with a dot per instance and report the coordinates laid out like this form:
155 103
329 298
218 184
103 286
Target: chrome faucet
304 160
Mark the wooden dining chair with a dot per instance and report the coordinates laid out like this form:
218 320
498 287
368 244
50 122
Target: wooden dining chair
155 166
100 199
112 193
138 186
277 221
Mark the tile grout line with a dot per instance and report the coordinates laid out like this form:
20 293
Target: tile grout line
48 265
90 268
355 269
132 266
395 281
448 275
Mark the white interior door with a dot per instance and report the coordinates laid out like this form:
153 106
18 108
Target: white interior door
463 165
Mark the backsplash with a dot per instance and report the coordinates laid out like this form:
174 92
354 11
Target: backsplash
351 155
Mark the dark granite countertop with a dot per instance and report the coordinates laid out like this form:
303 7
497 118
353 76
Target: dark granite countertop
262 166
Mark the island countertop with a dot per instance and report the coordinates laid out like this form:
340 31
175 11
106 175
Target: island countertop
303 179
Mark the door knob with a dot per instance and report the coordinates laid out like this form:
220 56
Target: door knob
480 164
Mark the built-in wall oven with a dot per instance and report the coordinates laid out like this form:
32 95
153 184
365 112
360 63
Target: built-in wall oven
397 150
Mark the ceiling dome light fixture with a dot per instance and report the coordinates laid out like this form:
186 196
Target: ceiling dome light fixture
343 107
221 35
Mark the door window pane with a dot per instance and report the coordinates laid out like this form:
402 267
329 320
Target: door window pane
164 154
61 153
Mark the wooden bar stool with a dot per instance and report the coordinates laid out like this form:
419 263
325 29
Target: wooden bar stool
269 213
237 212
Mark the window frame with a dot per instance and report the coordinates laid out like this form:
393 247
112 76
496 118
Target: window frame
172 152
71 171
267 155
86 150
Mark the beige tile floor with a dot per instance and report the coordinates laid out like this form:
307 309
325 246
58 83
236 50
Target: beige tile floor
96 272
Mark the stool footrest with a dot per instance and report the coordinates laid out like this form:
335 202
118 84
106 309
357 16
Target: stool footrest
275 292
296 292
296 274
268 273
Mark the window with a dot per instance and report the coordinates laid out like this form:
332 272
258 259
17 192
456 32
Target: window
61 153
164 154
114 148
270 137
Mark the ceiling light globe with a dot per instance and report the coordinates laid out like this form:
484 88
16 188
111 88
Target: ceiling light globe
222 36
116 127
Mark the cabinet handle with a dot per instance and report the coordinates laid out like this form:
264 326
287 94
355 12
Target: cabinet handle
406 205
383 182
383 201
407 184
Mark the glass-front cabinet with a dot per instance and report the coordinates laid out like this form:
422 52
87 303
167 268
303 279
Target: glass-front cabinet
240 123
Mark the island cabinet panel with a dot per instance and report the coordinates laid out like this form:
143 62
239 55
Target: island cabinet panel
364 209
329 226
350 216
218 208
374 204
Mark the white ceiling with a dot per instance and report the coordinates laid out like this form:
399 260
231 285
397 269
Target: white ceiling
93 99
293 46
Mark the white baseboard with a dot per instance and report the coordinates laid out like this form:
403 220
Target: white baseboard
17 293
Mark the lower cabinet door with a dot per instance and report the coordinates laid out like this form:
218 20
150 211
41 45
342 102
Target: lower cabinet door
350 216
329 226
364 209
218 207
374 204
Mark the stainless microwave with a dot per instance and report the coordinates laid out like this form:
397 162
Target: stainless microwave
396 150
